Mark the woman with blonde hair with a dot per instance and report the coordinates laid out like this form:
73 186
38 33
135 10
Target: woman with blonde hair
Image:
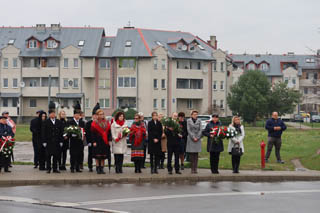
236 147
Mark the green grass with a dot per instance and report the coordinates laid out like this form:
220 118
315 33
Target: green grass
23 133
300 144
313 125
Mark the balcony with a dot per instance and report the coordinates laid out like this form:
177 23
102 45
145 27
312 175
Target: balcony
40 71
38 91
309 82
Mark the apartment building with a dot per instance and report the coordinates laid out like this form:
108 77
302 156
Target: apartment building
300 72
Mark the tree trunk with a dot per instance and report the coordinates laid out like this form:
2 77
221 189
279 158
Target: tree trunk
254 123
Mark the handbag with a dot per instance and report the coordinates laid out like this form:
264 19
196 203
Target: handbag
236 150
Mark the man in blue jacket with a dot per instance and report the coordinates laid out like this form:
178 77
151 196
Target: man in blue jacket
275 127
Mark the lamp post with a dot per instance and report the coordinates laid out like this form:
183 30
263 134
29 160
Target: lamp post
49 90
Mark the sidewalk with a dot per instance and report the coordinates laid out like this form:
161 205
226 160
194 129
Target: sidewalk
26 175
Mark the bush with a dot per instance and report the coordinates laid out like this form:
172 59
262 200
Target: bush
129 114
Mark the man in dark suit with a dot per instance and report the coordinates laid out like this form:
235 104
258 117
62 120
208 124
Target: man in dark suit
76 143
34 126
52 134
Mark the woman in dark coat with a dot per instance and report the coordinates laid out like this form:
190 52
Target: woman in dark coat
137 138
101 138
63 158
42 150
154 142
214 144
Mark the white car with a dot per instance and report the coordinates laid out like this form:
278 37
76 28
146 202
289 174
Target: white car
205 119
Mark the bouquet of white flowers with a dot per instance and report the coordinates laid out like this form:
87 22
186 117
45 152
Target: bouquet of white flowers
125 131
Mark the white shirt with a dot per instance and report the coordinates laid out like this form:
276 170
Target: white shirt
53 121
77 121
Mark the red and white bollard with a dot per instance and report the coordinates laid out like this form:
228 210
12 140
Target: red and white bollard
263 161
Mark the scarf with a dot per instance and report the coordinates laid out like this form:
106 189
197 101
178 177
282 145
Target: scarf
101 128
138 132
238 128
120 122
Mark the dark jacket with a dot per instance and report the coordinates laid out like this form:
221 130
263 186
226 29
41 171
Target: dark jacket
89 133
271 123
154 132
34 125
52 135
183 126
76 144
65 141
213 145
172 139
6 130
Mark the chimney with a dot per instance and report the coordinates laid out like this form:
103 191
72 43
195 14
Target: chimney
55 27
290 53
41 27
213 41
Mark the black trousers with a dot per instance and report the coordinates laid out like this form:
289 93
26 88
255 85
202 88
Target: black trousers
90 157
54 163
42 157
63 157
35 152
214 161
173 150
138 163
75 160
118 161
154 161
145 155
4 161
272 141
162 158
235 163
82 157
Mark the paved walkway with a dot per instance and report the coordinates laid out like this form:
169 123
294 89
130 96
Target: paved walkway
298 125
26 175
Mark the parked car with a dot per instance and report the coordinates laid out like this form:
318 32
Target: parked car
205 119
298 118
304 114
315 118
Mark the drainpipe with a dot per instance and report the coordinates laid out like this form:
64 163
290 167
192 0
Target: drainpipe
20 98
81 87
168 87
226 91
137 84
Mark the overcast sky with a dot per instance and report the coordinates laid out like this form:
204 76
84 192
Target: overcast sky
251 26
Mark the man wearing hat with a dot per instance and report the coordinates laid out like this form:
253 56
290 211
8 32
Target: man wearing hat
52 133
89 136
5 130
76 143
34 125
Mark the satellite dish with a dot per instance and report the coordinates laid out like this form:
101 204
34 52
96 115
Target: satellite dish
70 83
184 47
22 84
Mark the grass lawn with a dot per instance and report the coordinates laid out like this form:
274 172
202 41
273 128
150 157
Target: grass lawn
314 125
302 144
23 133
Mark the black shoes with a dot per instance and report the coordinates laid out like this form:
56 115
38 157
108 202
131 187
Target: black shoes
178 172
170 172
56 171
62 168
182 166
90 170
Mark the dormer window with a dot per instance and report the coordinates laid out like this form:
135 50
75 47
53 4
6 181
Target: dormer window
107 44
264 67
201 47
11 41
51 44
81 43
251 66
192 47
128 43
33 44
310 60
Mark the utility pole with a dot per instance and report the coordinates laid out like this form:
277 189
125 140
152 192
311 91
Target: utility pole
49 90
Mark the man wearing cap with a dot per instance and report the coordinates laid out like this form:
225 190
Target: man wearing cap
76 143
34 125
89 137
52 133
5 130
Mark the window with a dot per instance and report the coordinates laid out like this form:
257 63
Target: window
65 103
189 103
221 66
251 66
104 83
104 63
31 62
155 103
315 90
75 63
163 64
128 43
11 41
33 82
305 90
196 65
5 83
155 64
315 76
221 104
163 103
87 103
264 67
33 44
215 66
5 102
15 62
81 43
52 62
75 83
65 83
200 47
65 63
183 64
126 82
214 103
51 44
293 80
5 63
15 83
14 102
192 48
214 85
155 83
221 85
189 83
127 63
163 84
286 80
107 44
33 103
104 102
310 60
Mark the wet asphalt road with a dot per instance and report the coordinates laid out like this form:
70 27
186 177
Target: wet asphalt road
174 197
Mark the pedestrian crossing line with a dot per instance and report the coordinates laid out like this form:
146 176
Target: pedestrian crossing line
124 200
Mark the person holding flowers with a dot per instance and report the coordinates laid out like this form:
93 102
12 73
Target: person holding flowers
215 142
137 138
100 138
119 131
236 147
7 143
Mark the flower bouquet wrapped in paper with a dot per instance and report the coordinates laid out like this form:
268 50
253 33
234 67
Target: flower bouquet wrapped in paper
172 124
7 145
74 131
